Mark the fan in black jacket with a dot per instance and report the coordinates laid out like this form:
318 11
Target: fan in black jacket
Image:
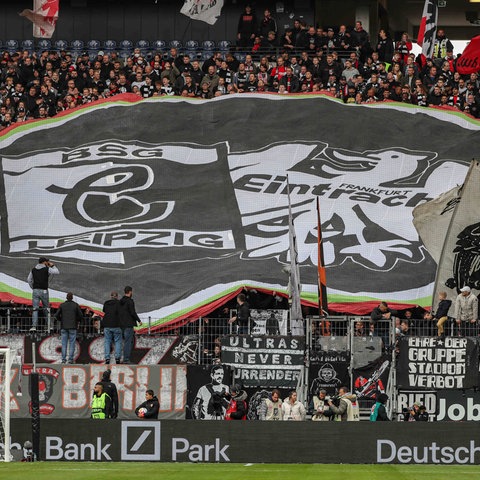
149 408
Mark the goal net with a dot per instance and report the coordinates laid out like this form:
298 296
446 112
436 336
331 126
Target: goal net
5 372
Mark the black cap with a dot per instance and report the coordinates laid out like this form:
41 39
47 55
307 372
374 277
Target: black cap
236 388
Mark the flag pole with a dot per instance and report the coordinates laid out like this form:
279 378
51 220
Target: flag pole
295 305
322 278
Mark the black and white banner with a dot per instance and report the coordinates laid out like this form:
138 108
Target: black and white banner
208 389
443 405
437 363
266 362
207 208
329 374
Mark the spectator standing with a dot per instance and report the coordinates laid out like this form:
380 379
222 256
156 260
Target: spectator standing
348 409
292 408
268 24
360 40
379 412
111 390
150 407
319 407
466 311
247 27
442 45
243 315
441 315
271 407
38 279
101 403
69 314
237 409
111 328
384 47
128 320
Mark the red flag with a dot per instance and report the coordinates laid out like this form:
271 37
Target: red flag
322 278
469 62
43 16
428 28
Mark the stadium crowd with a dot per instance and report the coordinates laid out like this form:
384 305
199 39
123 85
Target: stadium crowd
345 63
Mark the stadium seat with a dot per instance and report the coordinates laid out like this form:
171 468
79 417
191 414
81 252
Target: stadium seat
11 46
241 56
109 45
208 45
77 46
44 44
126 48
206 55
191 45
224 46
93 47
176 44
28 45
61 45
144 46
159 45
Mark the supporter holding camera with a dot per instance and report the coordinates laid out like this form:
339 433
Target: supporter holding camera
319 407
347 409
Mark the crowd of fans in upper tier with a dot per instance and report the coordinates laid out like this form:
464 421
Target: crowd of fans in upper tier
345 63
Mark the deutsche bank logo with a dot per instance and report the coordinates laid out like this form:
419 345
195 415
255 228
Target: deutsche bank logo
140 441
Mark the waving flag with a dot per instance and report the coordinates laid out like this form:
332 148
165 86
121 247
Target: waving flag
44 17
469 62
428 27
204 10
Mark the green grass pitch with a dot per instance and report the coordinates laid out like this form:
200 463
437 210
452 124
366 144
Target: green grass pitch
203 471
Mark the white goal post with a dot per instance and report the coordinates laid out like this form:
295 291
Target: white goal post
5 375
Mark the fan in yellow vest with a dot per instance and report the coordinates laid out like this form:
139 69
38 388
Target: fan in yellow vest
101 403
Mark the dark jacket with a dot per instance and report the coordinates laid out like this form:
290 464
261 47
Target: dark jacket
237 410
128 315
152 407
243 314
111 308
111 390
69 314
442 309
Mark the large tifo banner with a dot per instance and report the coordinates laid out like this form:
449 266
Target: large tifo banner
437 363
66 391
187 216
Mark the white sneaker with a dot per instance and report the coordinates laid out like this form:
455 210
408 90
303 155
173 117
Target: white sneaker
33 329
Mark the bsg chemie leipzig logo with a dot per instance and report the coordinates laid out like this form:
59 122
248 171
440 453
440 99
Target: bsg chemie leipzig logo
113 198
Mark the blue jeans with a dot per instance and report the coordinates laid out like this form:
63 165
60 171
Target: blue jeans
242 330
38 296
128 334
69 335
113 335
